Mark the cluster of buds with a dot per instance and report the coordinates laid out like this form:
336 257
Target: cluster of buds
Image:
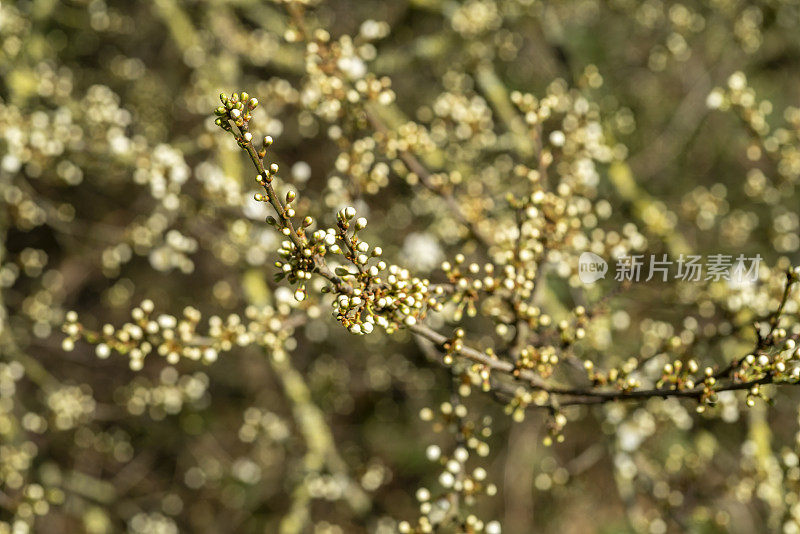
71 406
541 359
262 423
555 428
175 338
774 152
30 502
361 163
460 483
338 79
383 295
621 376
522 399
236 109
454 346
679 375
24 499
166 397
778 145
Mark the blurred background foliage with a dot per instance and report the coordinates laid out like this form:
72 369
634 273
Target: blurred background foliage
115 187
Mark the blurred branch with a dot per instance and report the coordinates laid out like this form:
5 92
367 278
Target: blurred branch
321 453
425 177
497 94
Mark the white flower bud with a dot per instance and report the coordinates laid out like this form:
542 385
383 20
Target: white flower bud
103 351
446 479
493 527
210 355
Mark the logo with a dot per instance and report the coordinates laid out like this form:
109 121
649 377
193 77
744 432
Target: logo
591 268
739 271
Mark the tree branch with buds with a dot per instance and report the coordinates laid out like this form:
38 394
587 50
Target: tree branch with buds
364 298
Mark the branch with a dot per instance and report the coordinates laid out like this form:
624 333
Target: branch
525 380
